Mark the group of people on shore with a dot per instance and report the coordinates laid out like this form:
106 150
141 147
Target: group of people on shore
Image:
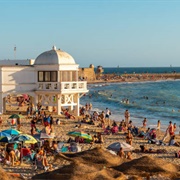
127 126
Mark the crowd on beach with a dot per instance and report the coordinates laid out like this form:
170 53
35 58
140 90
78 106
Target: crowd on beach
129 129
41 121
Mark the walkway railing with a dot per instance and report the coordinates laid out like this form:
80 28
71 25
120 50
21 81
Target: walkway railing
63 86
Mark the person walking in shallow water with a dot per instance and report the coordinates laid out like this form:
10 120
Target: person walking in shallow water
127 116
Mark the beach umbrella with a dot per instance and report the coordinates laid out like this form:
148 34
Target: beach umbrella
15 116
42 136
46 136
117 145
80 134
4 137
12 131
25 138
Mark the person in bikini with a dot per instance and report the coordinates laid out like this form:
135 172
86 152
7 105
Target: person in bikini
127 116
121 153
10 154
129 137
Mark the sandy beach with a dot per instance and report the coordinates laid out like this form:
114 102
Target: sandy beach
26 171
61 131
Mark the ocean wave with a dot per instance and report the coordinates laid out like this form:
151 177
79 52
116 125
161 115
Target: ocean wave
154 100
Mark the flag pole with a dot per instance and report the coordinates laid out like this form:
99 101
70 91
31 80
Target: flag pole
15 52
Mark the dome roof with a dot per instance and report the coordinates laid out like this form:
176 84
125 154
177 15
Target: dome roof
53 57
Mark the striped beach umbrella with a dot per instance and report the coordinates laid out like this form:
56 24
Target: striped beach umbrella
80 134
25 138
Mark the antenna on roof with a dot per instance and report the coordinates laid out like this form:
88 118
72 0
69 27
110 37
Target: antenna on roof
54 47
15 52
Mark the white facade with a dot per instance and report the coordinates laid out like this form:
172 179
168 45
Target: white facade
51 81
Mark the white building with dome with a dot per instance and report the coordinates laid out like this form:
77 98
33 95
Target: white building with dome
51 81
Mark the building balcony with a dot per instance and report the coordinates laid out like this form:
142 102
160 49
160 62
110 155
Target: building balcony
73 86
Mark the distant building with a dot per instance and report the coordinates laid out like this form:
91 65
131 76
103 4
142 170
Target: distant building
51 80
87 73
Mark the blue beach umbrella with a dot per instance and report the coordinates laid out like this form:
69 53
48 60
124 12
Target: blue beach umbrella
28 139
12 131
4 137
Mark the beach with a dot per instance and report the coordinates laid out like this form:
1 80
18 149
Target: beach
25 169
67 125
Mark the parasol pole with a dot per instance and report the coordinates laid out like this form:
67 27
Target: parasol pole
21 156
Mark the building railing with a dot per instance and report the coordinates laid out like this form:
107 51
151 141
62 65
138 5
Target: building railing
63 86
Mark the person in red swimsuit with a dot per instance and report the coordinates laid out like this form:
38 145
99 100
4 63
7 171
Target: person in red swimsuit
171 128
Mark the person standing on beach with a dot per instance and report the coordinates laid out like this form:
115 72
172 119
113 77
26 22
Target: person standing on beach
108 113
127 116
169 131
102 119
19 122
158 126
144 123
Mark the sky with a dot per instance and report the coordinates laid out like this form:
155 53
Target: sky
128 33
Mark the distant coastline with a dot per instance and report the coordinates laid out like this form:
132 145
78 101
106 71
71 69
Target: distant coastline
114 78
140 70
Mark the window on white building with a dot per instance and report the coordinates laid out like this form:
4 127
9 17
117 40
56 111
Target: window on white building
47 76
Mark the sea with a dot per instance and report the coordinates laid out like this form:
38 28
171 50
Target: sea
158 100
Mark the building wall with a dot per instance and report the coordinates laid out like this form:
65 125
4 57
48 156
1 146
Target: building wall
17 78
87 73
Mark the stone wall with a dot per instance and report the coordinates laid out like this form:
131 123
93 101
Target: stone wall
87 74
